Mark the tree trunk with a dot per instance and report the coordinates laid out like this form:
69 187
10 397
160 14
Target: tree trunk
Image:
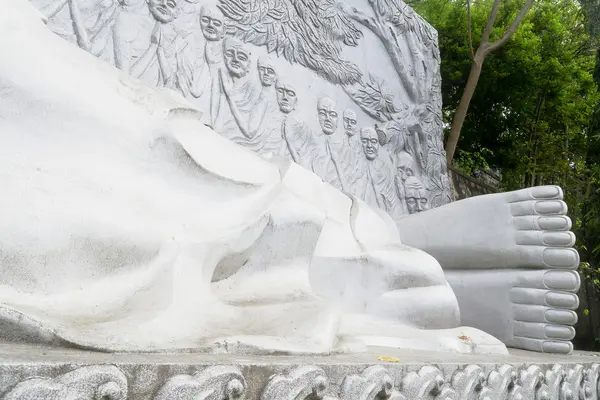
463 106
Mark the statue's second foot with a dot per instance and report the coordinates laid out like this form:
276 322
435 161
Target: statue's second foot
529 309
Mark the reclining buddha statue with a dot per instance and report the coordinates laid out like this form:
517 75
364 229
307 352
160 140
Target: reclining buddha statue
128 224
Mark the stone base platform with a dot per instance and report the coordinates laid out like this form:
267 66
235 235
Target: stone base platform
42 373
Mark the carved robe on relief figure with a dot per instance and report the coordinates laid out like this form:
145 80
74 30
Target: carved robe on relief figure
376 187
203 84
247 116
329 164
137 37
297 141
353 158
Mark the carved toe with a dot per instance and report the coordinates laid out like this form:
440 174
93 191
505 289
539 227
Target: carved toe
543 314
545 298
561 258
536 193
541 238
539 207
542 223
535 330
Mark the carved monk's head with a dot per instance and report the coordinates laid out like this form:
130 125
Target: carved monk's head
405 165
328 117
350 122
237 57
415 195
286 95
163 11
370 142
212 22
266 71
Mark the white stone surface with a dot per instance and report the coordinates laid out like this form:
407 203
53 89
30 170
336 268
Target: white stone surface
299 79
129 225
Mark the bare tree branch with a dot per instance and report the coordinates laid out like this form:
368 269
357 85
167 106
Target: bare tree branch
469 30
485 37
369 22
511 29
394 52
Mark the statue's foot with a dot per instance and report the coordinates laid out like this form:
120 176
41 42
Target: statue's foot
522 229
531 309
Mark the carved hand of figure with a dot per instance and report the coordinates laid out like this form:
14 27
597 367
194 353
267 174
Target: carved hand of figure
225 85
156 37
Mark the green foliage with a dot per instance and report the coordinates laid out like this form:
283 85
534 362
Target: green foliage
535 96
535 113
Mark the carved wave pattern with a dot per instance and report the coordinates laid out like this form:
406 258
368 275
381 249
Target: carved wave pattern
309 382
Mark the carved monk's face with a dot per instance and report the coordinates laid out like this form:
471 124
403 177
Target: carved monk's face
163 11
370 143
266 72
237 57
211 23
328 117
406 167
350 122
416 196
286 97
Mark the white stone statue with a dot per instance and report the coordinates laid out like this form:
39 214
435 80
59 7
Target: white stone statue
127 224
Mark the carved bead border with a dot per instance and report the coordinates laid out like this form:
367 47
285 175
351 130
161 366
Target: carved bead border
309 382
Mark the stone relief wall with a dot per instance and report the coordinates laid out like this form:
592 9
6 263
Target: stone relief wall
311 382
350 89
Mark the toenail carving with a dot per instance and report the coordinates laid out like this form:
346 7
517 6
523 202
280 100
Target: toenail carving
559 332
558 238
561 258
561 317
549 207
545 192
562 300
554 223
557 347
561 280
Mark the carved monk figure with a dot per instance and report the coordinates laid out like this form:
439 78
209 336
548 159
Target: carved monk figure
353 157
255 113
244 112
415 195
267 105
158 64
136 36
376 186
203 76
330 162
405 168
350 123
297 142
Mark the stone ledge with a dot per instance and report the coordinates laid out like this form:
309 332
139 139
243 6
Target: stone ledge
42 373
